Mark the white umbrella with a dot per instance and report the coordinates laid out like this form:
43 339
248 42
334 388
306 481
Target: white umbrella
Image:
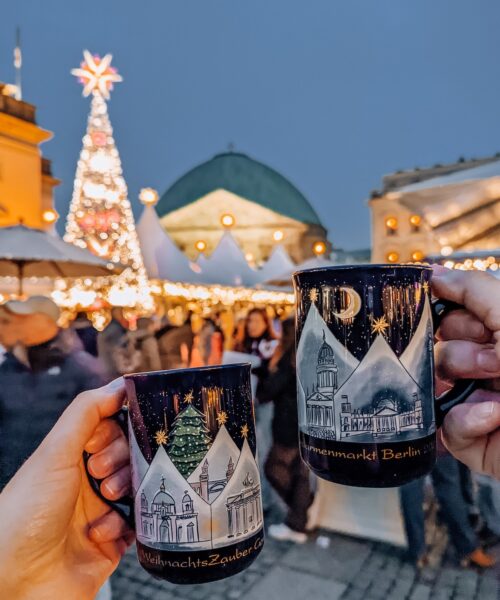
26 252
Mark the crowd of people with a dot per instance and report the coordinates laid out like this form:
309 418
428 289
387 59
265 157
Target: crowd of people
43 368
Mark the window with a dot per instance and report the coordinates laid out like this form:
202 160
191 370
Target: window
391 226
415 222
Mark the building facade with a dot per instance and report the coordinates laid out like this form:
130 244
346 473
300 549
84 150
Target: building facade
330 414
244 510
26 181
437 211
163 521
259 205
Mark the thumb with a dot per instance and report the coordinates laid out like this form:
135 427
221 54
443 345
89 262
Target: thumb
78 422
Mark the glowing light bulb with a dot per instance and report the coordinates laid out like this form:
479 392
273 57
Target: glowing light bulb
200 246
446 250
392 257
227 220
148 196
415 220
391 223
278 235
418 255
50 216
319 248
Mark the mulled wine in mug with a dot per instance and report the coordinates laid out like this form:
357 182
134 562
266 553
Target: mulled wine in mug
197 503
365 373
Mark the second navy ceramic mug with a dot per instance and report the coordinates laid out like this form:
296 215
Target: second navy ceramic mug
196 499
365 373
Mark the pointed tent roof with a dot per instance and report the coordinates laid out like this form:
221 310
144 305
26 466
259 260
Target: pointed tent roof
227 265
162 258
285 277
277 264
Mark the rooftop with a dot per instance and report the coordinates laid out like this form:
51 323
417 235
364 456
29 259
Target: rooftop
245 177
399 179
16 108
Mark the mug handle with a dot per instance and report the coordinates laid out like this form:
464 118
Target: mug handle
125 506
463 388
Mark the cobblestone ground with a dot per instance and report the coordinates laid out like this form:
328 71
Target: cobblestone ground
346 569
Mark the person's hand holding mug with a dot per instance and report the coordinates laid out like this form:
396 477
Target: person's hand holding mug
58 538
469 347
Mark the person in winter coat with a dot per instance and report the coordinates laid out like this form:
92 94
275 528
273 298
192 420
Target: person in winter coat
42 372
284 468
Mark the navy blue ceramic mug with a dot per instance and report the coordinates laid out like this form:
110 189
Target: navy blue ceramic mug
196 496
365 373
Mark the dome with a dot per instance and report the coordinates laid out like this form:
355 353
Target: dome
386 403
325 355
245 177
187 497
162 497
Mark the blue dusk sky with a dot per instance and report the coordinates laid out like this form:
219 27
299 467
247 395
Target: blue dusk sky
332 94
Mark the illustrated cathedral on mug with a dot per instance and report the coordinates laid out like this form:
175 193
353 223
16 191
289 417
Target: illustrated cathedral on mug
377 398
197 492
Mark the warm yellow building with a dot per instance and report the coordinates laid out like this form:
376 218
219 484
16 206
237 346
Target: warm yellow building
437 211
26 181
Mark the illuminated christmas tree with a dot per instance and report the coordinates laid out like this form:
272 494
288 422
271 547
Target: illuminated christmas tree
189 440
100 218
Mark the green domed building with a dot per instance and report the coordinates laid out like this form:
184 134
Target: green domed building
259 205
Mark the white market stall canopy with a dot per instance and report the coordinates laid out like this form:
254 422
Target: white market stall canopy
278 263
162 258
284 279
226 266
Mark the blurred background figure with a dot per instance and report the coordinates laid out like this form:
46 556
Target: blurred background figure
86 332
260 340
116 349
208 345
488 503
175 344
284 468
146 344
454 512
42 372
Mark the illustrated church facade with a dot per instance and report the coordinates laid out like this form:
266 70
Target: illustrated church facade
329 414
163 521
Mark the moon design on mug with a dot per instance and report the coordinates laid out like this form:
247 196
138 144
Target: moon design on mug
353 307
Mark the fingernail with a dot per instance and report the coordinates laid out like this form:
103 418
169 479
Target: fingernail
477 329
484 410
96 534
488 361
438 270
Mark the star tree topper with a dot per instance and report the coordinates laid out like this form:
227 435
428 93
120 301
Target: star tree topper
96 74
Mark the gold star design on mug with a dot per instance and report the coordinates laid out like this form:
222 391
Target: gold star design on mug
313 295
222 418
161 437
189 397
425 287
244 431
380 325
